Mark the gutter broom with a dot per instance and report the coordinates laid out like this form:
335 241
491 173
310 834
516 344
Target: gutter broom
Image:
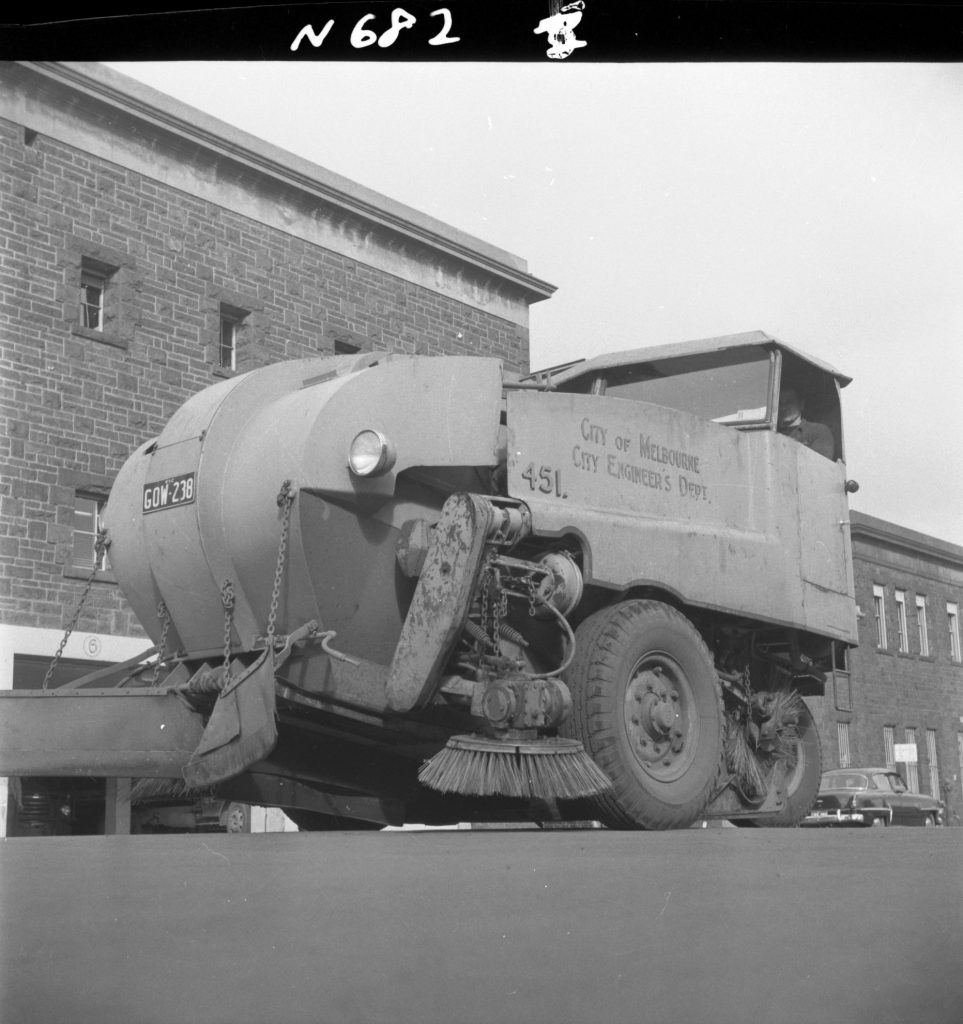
546 769
513 759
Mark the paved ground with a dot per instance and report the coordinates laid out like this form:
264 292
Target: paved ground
698 927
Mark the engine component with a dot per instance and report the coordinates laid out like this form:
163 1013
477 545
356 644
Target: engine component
520 702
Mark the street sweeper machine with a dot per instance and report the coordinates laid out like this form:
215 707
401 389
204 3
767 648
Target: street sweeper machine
388 589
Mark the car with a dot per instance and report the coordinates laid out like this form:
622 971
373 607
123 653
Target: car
867 797
204 814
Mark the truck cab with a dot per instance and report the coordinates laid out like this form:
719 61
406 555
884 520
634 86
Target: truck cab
674 453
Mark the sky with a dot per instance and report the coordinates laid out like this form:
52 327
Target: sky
821 203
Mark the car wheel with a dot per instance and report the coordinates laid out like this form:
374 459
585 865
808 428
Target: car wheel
237 819
880 822
647 706
929 820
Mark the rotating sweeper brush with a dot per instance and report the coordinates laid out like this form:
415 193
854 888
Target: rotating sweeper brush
547 769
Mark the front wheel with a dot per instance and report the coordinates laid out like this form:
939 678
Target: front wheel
647 707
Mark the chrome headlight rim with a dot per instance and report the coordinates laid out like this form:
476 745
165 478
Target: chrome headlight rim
370 453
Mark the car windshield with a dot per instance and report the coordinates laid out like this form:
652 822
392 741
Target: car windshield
728 387
844 780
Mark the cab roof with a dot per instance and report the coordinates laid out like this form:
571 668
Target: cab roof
597 364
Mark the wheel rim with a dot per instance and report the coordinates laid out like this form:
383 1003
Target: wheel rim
661 726
235 820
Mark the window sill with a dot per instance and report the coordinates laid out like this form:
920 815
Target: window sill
99 336
220 371
102 576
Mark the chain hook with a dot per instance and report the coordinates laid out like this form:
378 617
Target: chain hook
100 547
165 616
227 600
285 500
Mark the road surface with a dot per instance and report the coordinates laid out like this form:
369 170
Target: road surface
706 926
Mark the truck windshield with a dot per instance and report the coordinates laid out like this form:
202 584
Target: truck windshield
727 387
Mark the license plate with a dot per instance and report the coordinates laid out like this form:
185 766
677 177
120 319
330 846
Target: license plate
169 493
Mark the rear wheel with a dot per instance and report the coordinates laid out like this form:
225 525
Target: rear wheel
648 709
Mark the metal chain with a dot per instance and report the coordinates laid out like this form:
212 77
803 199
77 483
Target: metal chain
227 600
485 581
164 615
99 548
285 501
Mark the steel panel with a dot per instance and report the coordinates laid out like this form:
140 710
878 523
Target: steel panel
135 733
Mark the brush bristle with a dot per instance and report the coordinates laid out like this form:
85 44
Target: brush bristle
742 763
484 767
144 790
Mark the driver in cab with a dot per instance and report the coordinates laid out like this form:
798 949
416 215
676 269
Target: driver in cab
791 424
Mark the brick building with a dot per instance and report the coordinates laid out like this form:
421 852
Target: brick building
149 250
904 683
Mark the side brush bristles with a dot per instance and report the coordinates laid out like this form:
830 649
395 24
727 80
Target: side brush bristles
551 769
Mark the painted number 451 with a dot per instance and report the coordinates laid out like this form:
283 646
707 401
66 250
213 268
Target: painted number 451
544 479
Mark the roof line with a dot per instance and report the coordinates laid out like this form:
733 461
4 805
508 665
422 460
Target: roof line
169 114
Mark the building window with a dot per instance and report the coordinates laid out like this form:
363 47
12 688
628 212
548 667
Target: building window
842 735
230 330
87 513
889 745
879 613
841 679
102 290
921 625
901 641
93 291
227 351
932 762
912 767
953 624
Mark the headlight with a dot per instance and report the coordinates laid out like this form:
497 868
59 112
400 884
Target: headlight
371 454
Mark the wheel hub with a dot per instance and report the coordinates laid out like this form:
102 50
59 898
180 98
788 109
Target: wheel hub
655 718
